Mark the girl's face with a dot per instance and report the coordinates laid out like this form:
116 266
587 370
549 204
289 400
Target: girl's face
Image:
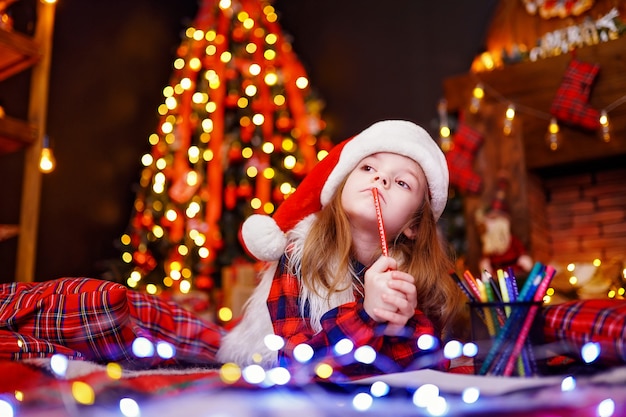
401 187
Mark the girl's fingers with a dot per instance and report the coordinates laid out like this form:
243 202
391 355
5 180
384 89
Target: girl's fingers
401 304
391 317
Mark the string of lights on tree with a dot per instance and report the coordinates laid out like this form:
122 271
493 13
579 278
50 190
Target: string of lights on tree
239 128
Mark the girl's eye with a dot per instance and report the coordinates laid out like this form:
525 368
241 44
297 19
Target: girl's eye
366 168
403 184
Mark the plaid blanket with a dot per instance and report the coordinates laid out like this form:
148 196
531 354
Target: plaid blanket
89 319
575 323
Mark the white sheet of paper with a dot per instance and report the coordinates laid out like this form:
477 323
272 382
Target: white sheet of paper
456 383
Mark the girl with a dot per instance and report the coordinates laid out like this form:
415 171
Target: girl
326 279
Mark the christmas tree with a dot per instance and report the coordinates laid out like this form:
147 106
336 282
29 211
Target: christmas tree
239 128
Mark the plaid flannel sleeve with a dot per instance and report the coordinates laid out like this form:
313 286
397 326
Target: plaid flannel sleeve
347 321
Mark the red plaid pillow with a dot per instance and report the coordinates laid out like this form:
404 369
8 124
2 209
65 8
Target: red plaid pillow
575 323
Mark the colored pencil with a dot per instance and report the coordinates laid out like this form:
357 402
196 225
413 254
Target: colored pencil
381 226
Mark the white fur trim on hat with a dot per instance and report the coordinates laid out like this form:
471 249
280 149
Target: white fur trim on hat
263 238
403 138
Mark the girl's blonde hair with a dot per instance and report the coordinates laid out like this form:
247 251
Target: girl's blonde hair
326 262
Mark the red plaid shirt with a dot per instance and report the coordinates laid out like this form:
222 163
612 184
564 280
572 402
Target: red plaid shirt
345 321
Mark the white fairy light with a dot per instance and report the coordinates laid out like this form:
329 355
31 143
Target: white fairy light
279 376
142 348
365 354
343 347
274 342
568 383
453 349
362 401
470 349
165 350
59 364
438 406
470 395
303 353
590 351
129 407
379 389
425 394
606 408
426 342
253 374
6 408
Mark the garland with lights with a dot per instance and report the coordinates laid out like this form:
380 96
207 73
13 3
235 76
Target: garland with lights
239 128
569 106
513 108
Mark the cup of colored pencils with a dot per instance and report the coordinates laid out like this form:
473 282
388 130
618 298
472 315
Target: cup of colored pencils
507 323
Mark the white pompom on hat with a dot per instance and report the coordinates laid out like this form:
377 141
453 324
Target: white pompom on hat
264 237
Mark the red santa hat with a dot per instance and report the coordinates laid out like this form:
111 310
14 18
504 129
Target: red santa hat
265 237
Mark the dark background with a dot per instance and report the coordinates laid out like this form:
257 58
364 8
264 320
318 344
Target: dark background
367 59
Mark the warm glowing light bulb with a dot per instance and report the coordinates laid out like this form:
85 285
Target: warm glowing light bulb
509 115
444 128
302 82
552 136
604 123
47 162
487 61
254 69
477 95
510 112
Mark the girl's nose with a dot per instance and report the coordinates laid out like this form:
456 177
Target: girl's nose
382 179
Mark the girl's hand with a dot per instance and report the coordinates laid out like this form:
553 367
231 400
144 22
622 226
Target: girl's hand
402 283
389 294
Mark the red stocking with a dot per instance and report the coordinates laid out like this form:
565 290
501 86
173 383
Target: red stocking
571 104
461 159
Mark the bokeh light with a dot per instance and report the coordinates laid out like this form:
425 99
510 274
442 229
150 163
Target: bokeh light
59 364
365 354
470 395
129 407
143 348
362 401
303 353
590 352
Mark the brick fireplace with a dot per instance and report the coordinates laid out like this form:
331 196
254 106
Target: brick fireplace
579 214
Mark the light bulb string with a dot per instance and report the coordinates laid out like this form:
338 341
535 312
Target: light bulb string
532 111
